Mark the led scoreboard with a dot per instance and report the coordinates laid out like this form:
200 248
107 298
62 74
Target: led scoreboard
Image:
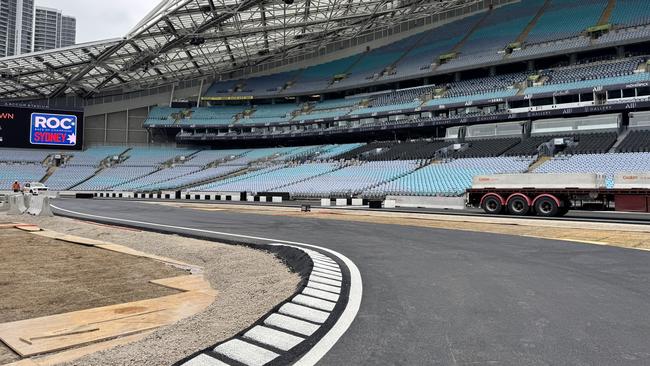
40 128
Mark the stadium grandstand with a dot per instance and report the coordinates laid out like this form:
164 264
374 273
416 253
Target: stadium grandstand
321 100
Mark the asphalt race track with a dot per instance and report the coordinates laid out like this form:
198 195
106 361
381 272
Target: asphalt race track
440 297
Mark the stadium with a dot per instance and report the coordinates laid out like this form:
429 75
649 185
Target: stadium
358 182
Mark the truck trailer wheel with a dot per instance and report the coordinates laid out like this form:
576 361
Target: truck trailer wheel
492 205
546 207
518 206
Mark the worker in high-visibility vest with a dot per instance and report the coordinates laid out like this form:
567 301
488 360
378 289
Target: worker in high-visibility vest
15 187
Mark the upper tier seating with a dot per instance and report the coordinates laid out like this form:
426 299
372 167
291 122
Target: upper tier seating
635 141
432 45
366 151
402 96
449 179
630 13
627 79
565 19
205 157
319 77
485 85
497 31
608 164
350 180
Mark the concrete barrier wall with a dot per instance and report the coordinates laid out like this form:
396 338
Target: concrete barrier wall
456 203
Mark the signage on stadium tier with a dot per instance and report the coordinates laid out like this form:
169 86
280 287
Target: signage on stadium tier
53 129
229 97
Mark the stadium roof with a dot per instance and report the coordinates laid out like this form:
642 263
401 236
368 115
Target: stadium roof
189 39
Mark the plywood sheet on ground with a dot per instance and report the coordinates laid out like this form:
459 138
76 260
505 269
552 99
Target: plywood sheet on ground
109 246
59 332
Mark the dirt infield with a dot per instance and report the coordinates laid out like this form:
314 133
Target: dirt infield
41 276
249 283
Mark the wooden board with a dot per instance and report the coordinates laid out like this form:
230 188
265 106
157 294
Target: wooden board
113 247
59 332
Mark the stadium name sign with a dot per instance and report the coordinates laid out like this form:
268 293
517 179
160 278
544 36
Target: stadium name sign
53 129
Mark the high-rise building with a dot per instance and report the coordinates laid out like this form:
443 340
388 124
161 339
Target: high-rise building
68 31
52 29
16 27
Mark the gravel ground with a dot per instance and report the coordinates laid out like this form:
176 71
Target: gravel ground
250 283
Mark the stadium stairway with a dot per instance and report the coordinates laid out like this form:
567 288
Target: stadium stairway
524 33
619 140
476 26
607 12
539 162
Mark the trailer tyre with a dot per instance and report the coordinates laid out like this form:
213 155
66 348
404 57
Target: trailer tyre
546 207
518 206
492 205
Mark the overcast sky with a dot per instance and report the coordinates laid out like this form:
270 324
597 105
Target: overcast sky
102 19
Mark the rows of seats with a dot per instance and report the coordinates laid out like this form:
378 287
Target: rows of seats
94 155
114 176
22 173
486 148
557 29
500 28
599 70
635 141
410 150
350 180
206 157
403 96
463 91
256 182
593 143
485 85
449 179
566 18
156 177
153 156
194 178
68 176
24 155
366 151
432 45
607 164
333 151
626 79
630 13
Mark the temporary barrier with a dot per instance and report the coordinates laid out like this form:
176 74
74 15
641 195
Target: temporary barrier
16 205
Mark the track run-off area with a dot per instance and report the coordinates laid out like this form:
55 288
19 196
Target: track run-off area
434 296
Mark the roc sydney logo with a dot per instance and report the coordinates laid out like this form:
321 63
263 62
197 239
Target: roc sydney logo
53 129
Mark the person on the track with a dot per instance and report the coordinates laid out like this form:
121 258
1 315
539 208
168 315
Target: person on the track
15 187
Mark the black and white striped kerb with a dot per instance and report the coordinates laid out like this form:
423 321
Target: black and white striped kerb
292 329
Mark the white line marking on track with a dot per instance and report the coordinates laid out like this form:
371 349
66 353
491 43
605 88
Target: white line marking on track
320 349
